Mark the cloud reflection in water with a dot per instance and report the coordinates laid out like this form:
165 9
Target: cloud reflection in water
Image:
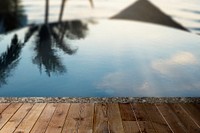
125 83
161 76
168 66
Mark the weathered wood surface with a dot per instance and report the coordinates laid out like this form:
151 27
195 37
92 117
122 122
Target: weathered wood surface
99 118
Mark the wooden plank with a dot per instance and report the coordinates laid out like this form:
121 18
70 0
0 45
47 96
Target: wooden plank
100 119
28 122
114 119
73 116
196 105
130 127
188 124
15 120
3 106
171 118
129 120
87 115
143 119
157 120
8 113
58 119
44 119
193 112
126 112
79 119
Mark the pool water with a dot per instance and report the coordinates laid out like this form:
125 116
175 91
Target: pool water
185 12
99 58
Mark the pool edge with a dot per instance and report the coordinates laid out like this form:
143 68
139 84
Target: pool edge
99 100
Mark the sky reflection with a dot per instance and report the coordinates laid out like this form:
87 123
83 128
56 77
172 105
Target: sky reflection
171 65
112 63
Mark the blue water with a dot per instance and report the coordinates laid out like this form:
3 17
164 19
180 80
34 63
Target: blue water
108 58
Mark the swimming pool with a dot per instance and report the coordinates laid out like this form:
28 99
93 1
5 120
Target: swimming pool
99 58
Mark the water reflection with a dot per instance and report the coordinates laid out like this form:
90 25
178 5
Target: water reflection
49 37
11 15
172 65
112 63
196 29
52 36
193 11
45 55
9 59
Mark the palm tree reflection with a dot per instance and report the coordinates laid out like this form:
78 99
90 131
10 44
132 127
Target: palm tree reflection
31 30
45 54
10 59
62 7
46 11
78 30
11 15
60 41
49 38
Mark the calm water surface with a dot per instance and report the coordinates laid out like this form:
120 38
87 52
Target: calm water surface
100 58
186 12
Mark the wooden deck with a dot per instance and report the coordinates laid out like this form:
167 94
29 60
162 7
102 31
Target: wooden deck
99 118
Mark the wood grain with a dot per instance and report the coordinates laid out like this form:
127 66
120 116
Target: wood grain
58 119
3 106
72 120
86 122
44 119
156 118
126 112
130 127
8 113
171 118
15 120
143 119
129 120
193 113
114 119
100 119
185 119
31 118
